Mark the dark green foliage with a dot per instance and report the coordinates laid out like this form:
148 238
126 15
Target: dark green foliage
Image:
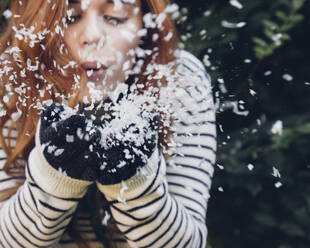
276 33
251 211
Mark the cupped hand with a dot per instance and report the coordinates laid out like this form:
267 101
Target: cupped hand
70 143
127 143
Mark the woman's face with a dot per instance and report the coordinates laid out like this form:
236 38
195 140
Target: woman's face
102 36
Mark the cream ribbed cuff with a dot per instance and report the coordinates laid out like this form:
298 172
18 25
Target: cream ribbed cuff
50 179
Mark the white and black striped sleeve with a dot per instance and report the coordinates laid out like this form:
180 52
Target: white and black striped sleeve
166 204
39 212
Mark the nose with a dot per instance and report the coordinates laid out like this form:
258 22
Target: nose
92 34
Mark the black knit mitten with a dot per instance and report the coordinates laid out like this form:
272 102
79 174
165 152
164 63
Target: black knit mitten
70 142
128 144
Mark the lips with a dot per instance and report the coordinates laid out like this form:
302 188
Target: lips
93 72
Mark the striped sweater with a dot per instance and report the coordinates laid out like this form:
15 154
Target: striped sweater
163 207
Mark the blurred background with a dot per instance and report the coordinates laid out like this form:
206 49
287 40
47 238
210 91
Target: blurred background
257 53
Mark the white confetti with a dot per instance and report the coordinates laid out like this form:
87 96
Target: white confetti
227 24
84 4
106 218
148 20
237 107
278 184
277 127
236 4
207 13
203 32
118 4
287 77
127 34
171 8
252 92
16 115
155 37
220 166
2 112
121 164
275 172
61 173
267 73
79 133
123 189
6 99
206 60
277 39
221 128
220 80
126 66
121 200
222 86
250 167
69 138
89 72
168 36
7 13
58 152
221 189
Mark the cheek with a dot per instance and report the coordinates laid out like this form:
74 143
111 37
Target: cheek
71 42
127 36
129 40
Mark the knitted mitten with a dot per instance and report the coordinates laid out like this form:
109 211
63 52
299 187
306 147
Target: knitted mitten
70 143
127 144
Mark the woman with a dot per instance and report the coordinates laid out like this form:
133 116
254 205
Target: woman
108 132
